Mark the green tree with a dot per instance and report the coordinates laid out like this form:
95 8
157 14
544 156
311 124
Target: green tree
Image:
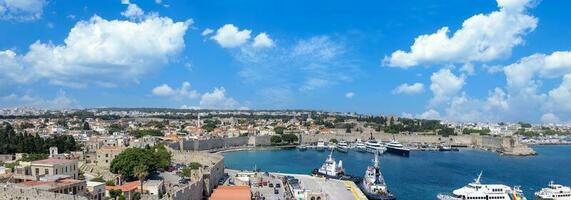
115 193
290 138
276 139
279 130
153 158
85 126
333 140
141 172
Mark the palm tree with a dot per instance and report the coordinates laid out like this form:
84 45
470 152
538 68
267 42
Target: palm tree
141 172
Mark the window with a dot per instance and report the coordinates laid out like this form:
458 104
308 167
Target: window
46 171
37 171
57 172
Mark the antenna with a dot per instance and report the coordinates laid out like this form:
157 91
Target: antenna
477 180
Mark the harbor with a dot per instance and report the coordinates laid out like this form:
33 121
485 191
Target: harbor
424 174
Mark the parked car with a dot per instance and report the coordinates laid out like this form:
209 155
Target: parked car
276 191
278 185
271 185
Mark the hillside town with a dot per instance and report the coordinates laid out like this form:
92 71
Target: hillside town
174 154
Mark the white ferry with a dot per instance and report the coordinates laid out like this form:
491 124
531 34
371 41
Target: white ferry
476 190
554 192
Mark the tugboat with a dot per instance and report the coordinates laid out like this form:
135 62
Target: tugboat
373 184
554 192
360 146
342 147
396 148
332 169
476 190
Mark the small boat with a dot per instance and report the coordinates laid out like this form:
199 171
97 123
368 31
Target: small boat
301 148
373 184
447 148
554 192
332 169
477 190
342 147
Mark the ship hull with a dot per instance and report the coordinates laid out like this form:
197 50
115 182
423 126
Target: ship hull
343 150
344 177
398 151
375 196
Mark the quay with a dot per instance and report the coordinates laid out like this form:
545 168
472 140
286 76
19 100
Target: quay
294 186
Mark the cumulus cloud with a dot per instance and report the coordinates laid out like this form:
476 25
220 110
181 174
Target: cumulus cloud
102 52
349 95
483 37
262 40
405 88
60 101
207 31
21 10
429 114
217 99
445 85
229 36
550 118
184 92
133 11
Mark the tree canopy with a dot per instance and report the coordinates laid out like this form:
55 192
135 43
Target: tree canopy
152 158
12 142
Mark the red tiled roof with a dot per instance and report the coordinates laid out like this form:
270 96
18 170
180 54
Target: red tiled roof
125 187
231 193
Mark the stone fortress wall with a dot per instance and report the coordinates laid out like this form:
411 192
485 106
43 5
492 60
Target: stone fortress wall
10 193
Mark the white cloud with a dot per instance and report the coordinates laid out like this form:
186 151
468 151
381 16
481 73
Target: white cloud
307 64
101 52
445 85
468 69
550 118
229 36
21 10
60 101
262 40
181 93
349 95
405 88
133 11
483 37
217 99
207 31
429 114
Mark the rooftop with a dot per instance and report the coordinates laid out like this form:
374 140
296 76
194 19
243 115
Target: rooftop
231 193
52 161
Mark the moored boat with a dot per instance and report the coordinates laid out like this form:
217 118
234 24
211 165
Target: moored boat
332 169
373 184
342 147
554 192
477 190
396 148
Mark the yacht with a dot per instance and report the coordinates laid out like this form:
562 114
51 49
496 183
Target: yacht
332 169
360 146
301 147
320 145
476 190
374 146
396 148
342 147
373 184
554 192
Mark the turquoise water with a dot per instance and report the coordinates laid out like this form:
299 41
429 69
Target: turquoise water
425 174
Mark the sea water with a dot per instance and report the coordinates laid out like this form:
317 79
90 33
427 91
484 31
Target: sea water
424 174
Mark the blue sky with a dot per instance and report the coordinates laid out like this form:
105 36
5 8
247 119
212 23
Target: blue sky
464 60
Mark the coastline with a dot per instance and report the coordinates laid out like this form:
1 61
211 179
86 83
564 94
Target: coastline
252 148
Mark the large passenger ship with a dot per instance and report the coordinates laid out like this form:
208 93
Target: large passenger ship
554 192
476 190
